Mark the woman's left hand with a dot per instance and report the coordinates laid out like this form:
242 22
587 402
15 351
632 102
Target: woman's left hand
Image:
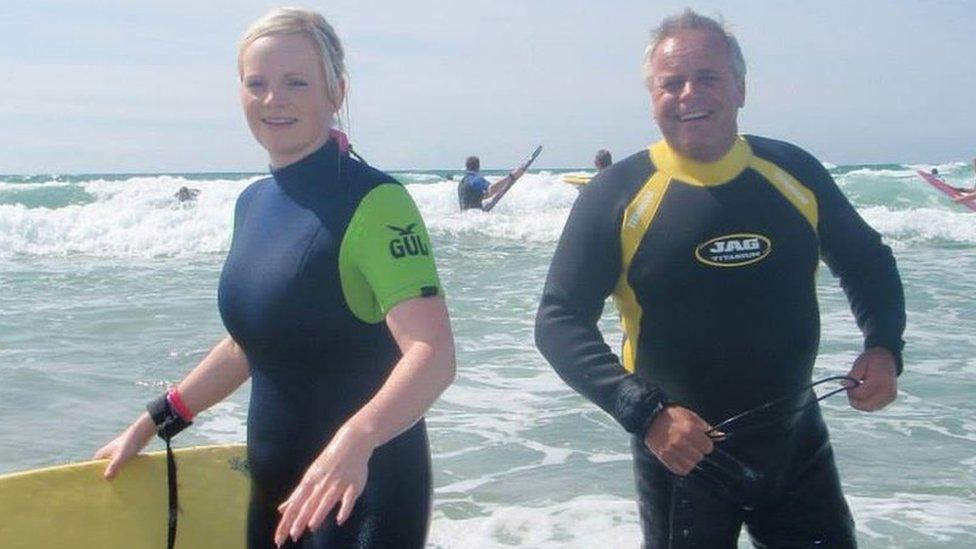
337 476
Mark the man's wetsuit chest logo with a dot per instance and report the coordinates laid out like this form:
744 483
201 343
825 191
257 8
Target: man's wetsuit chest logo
407 242
734 250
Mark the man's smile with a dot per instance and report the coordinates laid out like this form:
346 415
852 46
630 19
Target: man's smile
693 115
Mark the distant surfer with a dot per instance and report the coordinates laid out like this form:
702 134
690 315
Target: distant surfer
474 189
186 194
602 160
709 243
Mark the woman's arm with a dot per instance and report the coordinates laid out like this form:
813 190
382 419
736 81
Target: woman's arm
338 475
224 369
422 330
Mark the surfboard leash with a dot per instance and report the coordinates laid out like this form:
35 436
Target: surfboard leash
169 422
716 432
735 480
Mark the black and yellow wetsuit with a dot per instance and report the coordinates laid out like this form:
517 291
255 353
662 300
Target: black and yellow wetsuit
712 267
322 250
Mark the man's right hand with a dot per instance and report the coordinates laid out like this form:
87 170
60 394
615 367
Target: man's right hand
679 438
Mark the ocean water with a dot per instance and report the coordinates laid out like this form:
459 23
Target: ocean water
108 294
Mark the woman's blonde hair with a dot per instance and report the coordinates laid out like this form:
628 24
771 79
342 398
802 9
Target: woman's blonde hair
295 20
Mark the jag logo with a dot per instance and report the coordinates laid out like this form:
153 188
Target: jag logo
406 242
734 250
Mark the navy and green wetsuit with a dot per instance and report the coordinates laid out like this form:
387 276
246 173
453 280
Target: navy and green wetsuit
712 267
322 250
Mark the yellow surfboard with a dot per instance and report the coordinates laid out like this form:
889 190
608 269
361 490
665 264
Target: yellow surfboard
578 179
74 506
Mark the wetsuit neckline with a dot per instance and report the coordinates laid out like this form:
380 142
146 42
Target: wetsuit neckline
706 174
319 168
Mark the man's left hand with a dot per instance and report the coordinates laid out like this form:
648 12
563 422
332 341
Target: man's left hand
879 382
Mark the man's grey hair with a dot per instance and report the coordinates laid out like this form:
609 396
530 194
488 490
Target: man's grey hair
690 20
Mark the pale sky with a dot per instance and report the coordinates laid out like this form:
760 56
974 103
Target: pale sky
151 85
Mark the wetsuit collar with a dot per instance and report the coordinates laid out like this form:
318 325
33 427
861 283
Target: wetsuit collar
723 170
320 167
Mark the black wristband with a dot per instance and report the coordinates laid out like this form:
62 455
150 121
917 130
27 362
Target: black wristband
168 422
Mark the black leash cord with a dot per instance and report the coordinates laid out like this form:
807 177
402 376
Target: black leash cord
168 424
173 490
716 431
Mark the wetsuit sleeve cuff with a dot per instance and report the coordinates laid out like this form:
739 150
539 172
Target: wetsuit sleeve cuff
899 366
168 421
638 404
895 350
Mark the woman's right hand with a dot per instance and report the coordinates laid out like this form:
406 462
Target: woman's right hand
127 445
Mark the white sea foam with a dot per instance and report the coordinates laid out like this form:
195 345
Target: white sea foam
941 167
933 518
138 217
418 177
876 174
42 185
597 521
921 224
586 521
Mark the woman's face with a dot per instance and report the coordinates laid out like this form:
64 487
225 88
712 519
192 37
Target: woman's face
285 98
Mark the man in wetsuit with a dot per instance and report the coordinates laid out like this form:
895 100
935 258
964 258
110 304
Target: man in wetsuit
709 243
473 189
602 160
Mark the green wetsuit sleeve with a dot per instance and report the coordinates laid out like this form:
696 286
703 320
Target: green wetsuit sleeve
583 273
386 257
866 267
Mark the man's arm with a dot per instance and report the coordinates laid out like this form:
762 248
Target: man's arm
502 184
584 271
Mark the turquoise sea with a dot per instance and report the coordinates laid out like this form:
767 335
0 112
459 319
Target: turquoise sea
108 294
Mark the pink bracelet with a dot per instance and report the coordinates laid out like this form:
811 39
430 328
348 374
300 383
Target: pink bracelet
176 402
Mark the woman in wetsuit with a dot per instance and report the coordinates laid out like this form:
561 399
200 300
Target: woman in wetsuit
334 310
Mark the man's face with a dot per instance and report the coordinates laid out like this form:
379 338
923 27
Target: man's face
695 95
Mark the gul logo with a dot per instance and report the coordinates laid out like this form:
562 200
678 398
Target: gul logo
734 250
406 242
